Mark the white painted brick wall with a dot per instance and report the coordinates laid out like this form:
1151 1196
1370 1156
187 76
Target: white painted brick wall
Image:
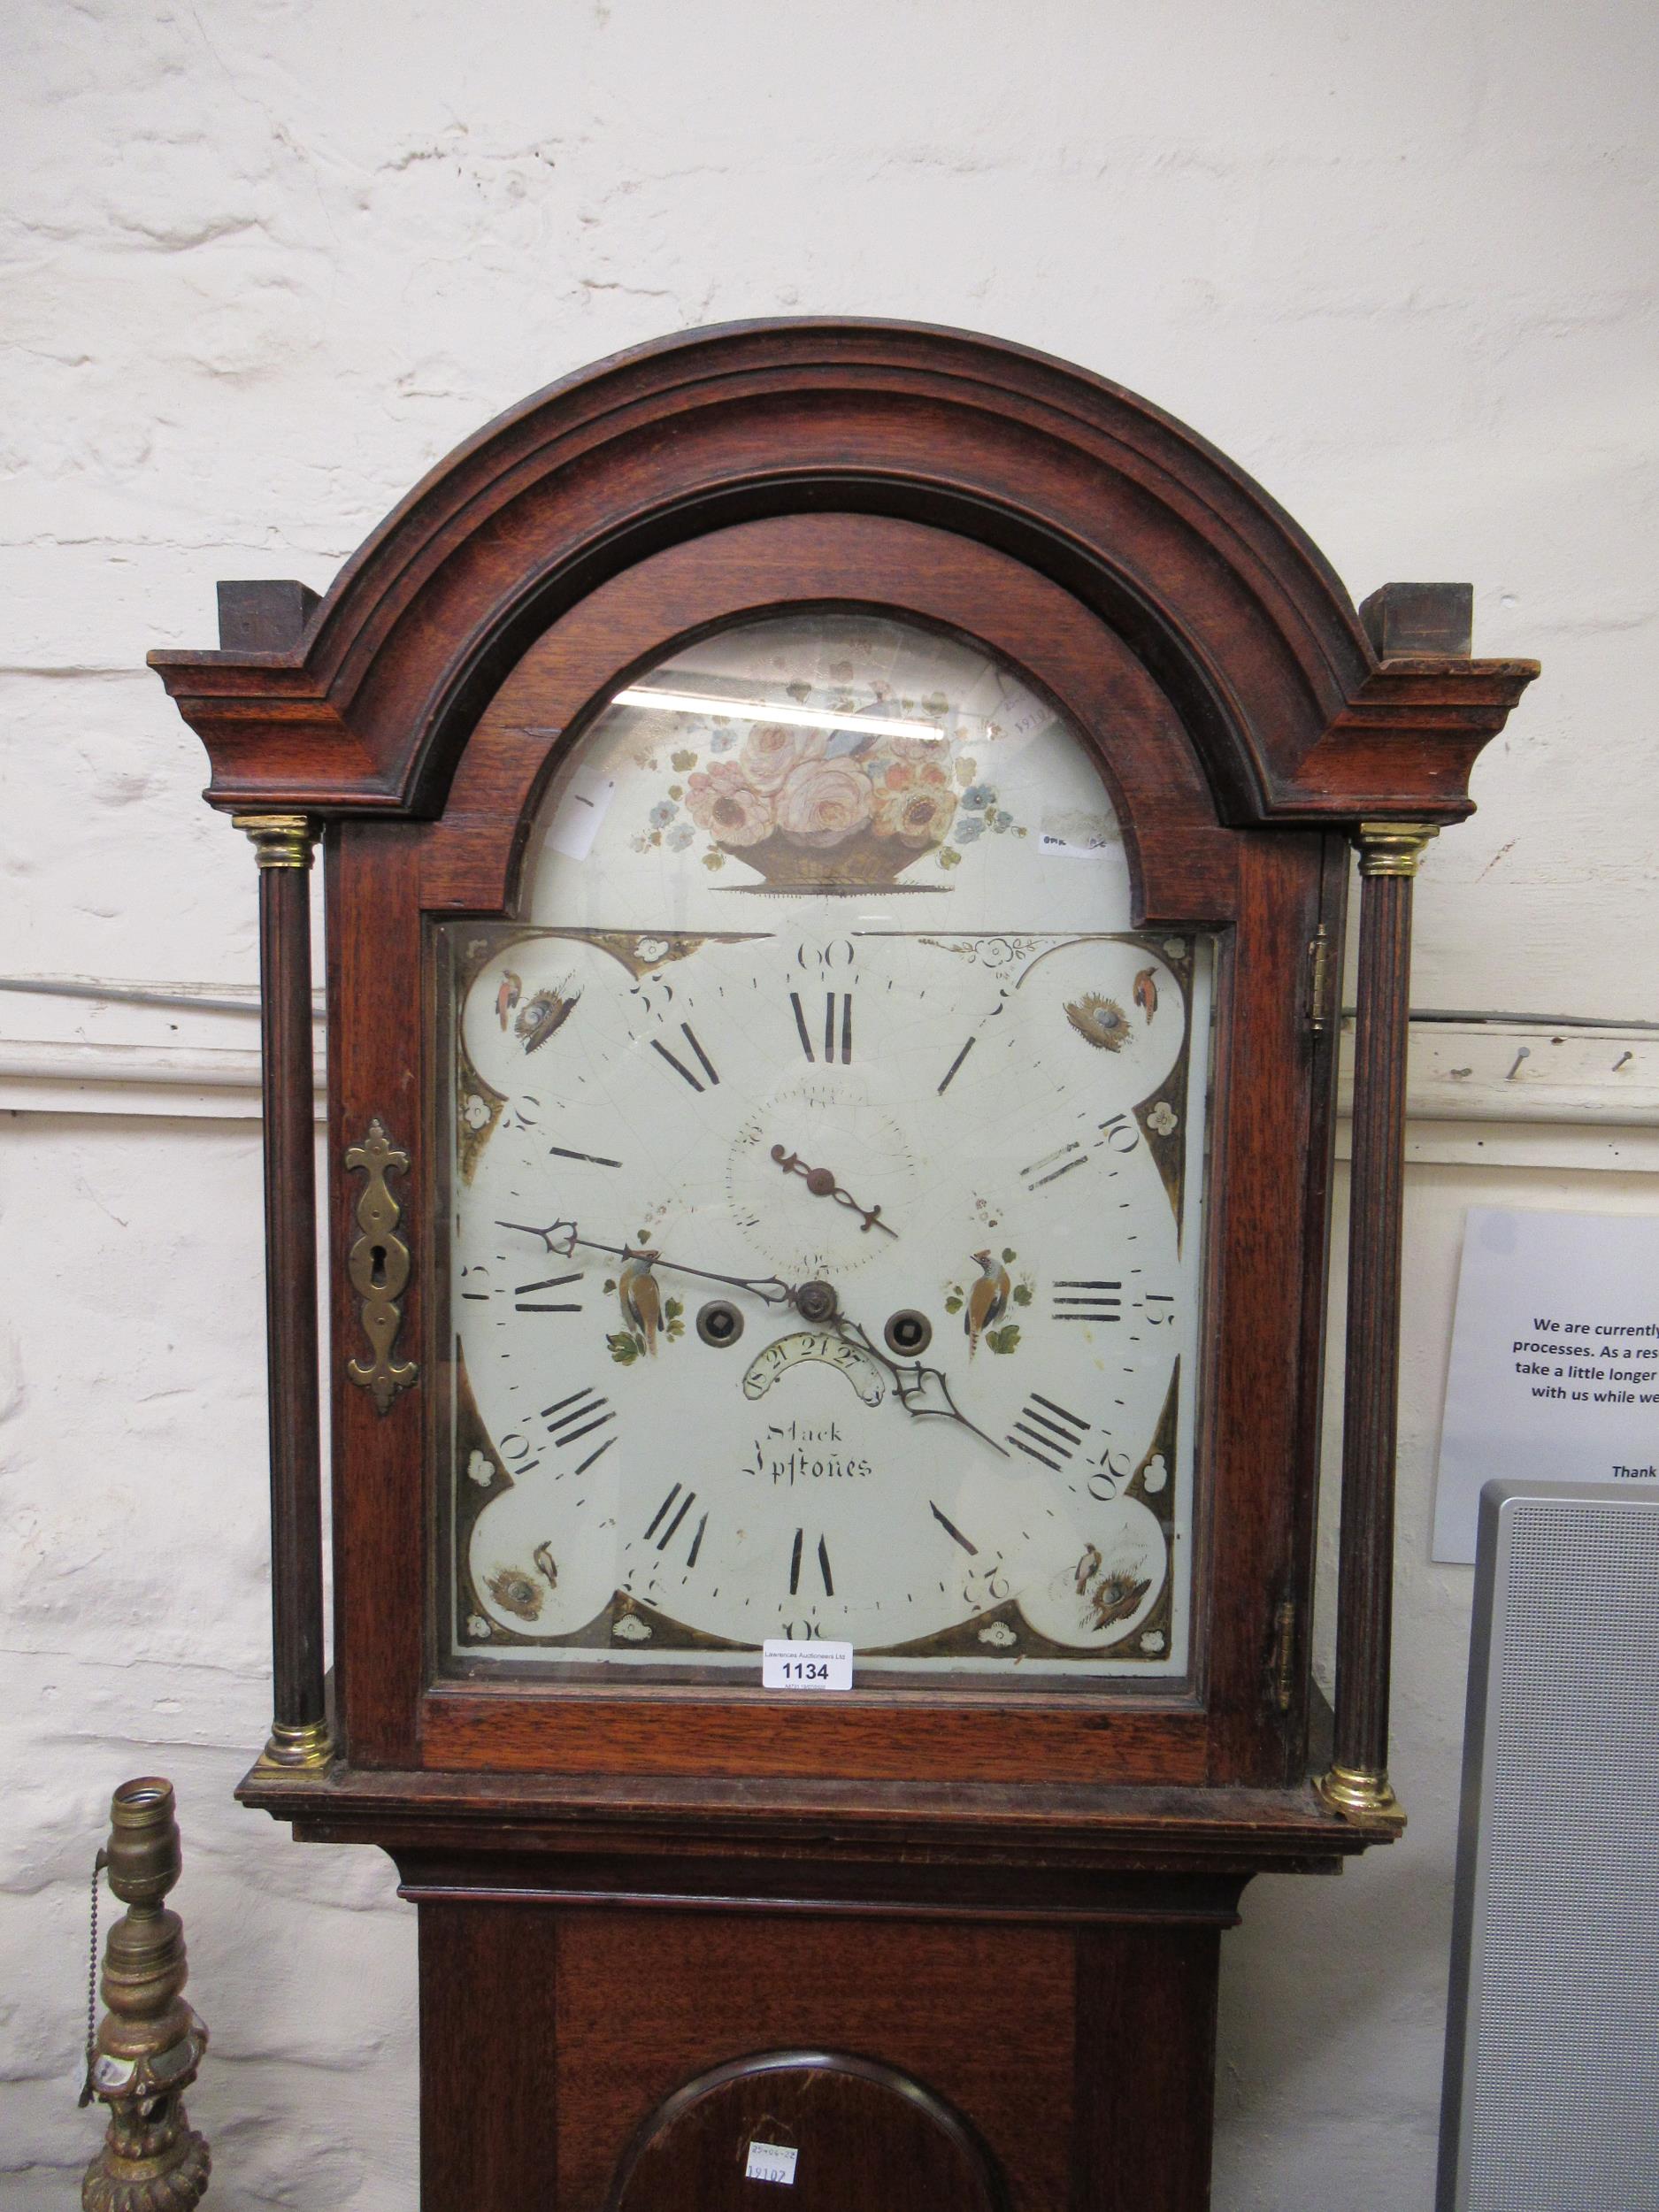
263 262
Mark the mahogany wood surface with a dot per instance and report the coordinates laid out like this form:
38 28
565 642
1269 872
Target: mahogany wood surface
380 1515
489 2021
1081 2056
654 1823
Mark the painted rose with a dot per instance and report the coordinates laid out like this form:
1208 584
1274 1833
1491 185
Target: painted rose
774 750
824 803
914 802
932 751
726 803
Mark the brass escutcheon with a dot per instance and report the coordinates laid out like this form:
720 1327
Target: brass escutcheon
378 1265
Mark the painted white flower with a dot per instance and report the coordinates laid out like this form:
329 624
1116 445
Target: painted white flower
651 949
478 1626
1153 1641
476 1110
632 1628
998 1632
1155 1474
1163 1119
481 1468
1175 948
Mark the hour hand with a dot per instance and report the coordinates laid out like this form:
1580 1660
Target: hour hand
560 1237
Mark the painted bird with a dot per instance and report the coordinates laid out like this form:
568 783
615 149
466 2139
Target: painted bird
507 997
987 1300
641 1304
1145 993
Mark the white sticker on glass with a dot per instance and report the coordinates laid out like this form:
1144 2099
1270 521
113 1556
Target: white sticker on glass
581 809
770 2162
785 1665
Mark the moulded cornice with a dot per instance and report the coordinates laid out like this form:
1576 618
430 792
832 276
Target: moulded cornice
1227 602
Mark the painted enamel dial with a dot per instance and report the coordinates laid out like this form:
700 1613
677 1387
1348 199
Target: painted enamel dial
827 1195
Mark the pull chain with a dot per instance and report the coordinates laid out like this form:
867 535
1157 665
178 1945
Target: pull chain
85 2097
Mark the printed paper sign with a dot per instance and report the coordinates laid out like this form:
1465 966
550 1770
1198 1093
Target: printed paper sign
785 1665
1555 1367
770 2162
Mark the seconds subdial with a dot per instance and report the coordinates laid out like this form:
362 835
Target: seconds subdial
802 1223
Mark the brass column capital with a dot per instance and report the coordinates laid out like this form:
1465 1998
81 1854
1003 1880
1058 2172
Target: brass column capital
279 840
1393 848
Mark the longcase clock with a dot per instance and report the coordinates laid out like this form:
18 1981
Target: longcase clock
836 841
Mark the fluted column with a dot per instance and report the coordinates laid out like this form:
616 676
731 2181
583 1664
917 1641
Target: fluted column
299 1729
1358 1783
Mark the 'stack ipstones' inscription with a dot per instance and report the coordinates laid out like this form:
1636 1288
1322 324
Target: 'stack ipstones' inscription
795 1451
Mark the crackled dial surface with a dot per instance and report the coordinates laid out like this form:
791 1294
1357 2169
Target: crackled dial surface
826 1188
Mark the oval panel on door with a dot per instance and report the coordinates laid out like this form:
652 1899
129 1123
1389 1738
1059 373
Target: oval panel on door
805 2131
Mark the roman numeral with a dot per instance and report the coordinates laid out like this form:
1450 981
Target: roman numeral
593 1159
822 1564
522 1302
1055 1164
951 1072
679 1066
834 1022
1048 1432
952 1531
1088 1300
569 1419
673 1509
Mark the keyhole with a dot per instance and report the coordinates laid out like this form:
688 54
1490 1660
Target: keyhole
377 1271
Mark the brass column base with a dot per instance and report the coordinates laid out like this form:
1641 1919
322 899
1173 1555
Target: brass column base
1364 1797
298 1744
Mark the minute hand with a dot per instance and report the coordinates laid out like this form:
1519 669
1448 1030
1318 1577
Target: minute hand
923 1392
562 1238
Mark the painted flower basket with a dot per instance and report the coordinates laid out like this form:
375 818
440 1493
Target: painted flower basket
827 810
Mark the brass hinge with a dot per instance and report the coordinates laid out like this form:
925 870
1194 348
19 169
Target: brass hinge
1318 978
1284 1669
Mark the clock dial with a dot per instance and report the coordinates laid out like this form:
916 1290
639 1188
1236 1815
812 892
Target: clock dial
826 1192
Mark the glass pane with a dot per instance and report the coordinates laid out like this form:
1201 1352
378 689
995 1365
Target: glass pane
827 1189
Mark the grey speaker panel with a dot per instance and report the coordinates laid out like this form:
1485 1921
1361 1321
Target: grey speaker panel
1552 2052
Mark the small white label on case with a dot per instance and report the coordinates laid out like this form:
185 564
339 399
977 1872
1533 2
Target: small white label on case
785 1665
770 2162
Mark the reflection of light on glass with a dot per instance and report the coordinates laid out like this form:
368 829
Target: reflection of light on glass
765 710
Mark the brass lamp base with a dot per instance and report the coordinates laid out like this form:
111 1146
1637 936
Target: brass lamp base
150 2042
1359 1796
